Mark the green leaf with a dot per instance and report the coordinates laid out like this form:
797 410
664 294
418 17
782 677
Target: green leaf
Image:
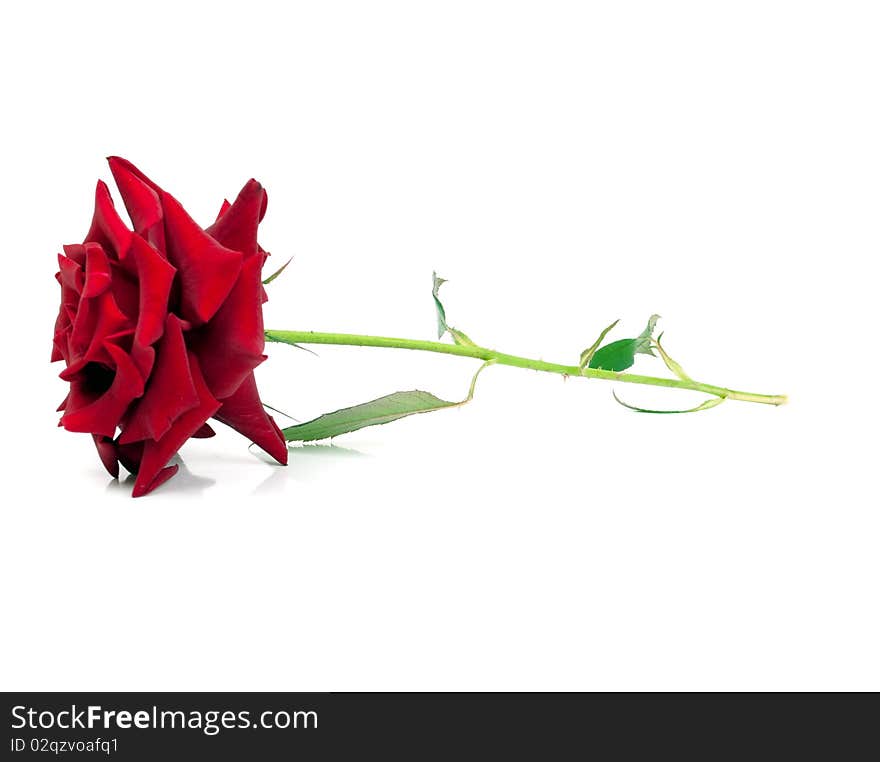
621 354
391 407
706 405
670 363
617 356
644 338
441 313
459 337
376 412
277 272
588 353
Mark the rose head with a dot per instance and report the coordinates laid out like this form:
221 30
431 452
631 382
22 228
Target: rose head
161 327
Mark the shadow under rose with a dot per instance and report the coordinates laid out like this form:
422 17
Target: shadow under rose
306 462
185 482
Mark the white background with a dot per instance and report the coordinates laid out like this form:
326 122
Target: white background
562 165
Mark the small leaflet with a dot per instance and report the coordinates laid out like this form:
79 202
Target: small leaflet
441 312
706 405
588 353
459 337
670 363
277 272
621 354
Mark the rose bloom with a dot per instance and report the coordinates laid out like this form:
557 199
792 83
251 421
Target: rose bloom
161 327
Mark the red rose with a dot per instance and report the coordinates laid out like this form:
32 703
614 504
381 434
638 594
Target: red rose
162 327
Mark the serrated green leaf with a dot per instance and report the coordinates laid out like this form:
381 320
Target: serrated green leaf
706 405
385 409
391 407
617 356
588 353
277 272
621 354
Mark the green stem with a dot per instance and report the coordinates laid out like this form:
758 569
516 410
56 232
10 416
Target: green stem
482 353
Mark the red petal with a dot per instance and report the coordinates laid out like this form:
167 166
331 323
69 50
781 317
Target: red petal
231 345
76 252
237 227
103 415
206 432
59 340
96 320
142 200
155 276
107 453
163 476
207 270
157 454
244 412
97 271
107 228
170 390
130 456
70 272
126 293
224 207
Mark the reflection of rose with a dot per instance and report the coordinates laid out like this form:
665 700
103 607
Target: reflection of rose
161 328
